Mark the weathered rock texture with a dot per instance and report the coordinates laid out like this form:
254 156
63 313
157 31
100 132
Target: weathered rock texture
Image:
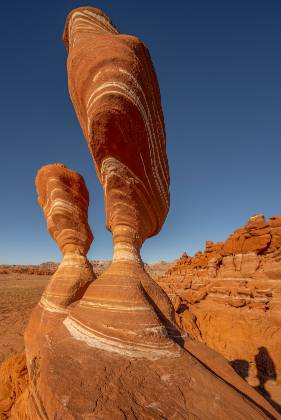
116 97
116 353
64 198
13 383
229 297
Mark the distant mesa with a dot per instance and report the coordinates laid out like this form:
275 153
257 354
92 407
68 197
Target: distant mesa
155 269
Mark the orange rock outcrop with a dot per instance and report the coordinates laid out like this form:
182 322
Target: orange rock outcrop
229 297
116 353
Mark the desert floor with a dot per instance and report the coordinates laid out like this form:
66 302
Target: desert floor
19 293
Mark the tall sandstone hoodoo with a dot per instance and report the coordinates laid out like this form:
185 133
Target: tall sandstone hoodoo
116 97
229 297
117 353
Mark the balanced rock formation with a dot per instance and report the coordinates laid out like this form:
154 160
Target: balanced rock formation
116 353
116 96
64 198
229 297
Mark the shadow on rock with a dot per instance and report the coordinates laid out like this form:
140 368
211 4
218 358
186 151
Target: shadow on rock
266 371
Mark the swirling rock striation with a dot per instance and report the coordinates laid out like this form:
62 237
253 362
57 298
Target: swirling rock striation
116 96
64 198
119 340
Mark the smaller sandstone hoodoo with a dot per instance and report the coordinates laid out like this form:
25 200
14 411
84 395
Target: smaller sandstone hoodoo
64 198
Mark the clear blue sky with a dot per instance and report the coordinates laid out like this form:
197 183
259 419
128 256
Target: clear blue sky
219 69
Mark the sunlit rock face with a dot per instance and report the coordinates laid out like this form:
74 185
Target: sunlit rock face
229 297
64 199
122 331
116 97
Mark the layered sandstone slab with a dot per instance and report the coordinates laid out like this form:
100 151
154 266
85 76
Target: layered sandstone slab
88 382
229 297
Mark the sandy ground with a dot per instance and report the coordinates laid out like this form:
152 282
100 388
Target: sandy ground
19 294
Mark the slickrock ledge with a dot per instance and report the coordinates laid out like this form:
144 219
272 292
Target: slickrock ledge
116 353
